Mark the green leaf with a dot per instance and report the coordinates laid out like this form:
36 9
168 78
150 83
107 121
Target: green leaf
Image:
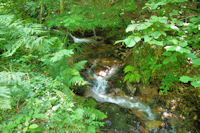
185 79
174 41
174 27
61 54
144 26
170 59
182 50
159 43
129 77
137 39
180 23
32 126
147 38
167 53
156 34
119 41
137 77
170 48
178 49
131 27
130 42
159 19
196 83
128 68
183 44
191 55
80 65
196 61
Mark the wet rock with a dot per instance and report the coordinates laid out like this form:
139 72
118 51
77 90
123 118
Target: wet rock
108 123
138 114
147 90
163 130
108 61
149 125
116 92
119 119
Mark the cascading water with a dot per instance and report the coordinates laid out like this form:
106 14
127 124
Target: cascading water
98 91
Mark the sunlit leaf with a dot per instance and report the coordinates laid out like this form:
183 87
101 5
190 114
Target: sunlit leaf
185 79
196 61
32 126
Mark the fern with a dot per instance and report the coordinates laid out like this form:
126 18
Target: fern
8 79
4 98
128 68
60 54
19 35
131 74
78 66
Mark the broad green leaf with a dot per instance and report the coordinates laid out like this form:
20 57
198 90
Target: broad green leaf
156 34
159 19
131 27
183 44
182 50
144 26
191 55
32 126
174 41
174 27
180 23
154 6
185 50
130 42
137 39
185 79
194 20
196 83
177 48
159 43
196 61
147 38
40 116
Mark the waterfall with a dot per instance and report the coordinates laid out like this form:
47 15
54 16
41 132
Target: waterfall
81 40
98 91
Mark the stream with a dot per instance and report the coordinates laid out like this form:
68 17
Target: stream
98 92
126 113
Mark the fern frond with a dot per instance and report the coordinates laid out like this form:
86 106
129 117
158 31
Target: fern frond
4 97
19 35
60 54
11 78
78 66
76 79
8 78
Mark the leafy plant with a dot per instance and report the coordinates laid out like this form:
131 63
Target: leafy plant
8 80
131 74
40 99
167 83
195 81
169 38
